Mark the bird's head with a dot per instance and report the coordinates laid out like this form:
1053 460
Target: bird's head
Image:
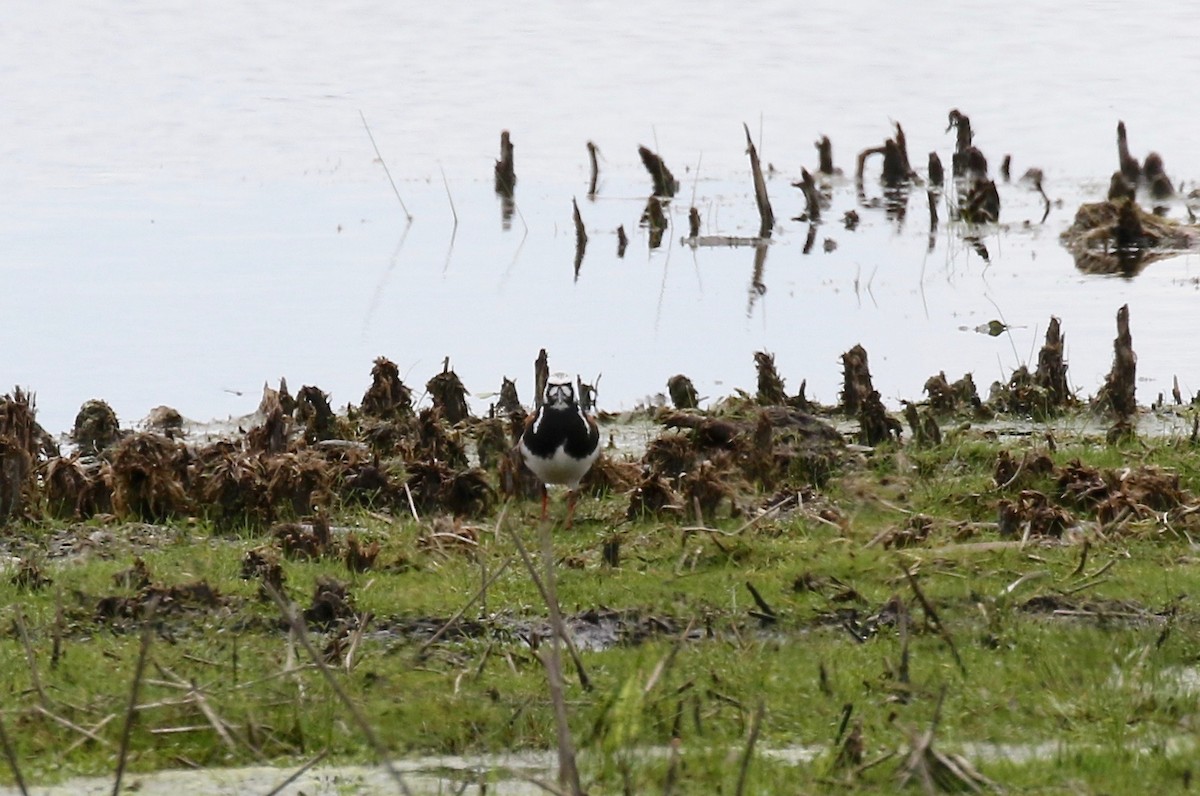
560 392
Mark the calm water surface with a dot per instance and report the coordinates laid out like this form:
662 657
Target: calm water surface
192 206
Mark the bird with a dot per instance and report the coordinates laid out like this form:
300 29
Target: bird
560 442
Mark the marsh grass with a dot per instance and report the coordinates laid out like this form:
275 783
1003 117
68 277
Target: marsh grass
1077 671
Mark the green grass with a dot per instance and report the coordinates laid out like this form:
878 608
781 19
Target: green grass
1106 683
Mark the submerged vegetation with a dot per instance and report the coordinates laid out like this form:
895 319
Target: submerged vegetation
766 594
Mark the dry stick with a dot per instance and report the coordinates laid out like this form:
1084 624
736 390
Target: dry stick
56 649
755 723
592 150
546 786
299 632
298 773
584 682
459 613
927 607
218 724
760 189
446 183
29 656
412 506
1083 555
568 773
89 735
383 163
667 660
454 230
690 529
138 672
11 754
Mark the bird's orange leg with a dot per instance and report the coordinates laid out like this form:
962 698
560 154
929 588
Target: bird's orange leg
545 501
571 498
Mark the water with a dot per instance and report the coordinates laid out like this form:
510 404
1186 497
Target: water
192 206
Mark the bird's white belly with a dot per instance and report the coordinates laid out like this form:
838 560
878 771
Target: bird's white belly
559 468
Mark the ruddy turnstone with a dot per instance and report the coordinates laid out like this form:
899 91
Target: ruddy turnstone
560 442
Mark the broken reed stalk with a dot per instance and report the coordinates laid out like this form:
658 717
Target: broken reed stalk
84 732
568 772
34 679
298 773
506 175
139 672
11 755
459 613
744 769
301 633
584 682
383 163
760 189
664 181
56 646
581 237
219 725
932 615
541 375
446 183
592 152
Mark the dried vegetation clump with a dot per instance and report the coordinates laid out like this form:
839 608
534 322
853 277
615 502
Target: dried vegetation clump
1040 498
1117 236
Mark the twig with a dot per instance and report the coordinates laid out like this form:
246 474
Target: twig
88 735
1087 584
459 613
29 656
927 607
690 529
665 662
299 632
568 773
383 163
1083 555
412 506
56 648
766 612
755 723
584 682
70 725
218 724
138 672
298 773
11 754
445 182
546 786
356 637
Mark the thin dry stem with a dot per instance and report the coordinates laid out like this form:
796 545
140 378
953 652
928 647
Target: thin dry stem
301 634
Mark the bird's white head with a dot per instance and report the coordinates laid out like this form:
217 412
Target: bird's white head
560 391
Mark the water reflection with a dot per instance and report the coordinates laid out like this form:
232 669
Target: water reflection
506 180
654 218
758 287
